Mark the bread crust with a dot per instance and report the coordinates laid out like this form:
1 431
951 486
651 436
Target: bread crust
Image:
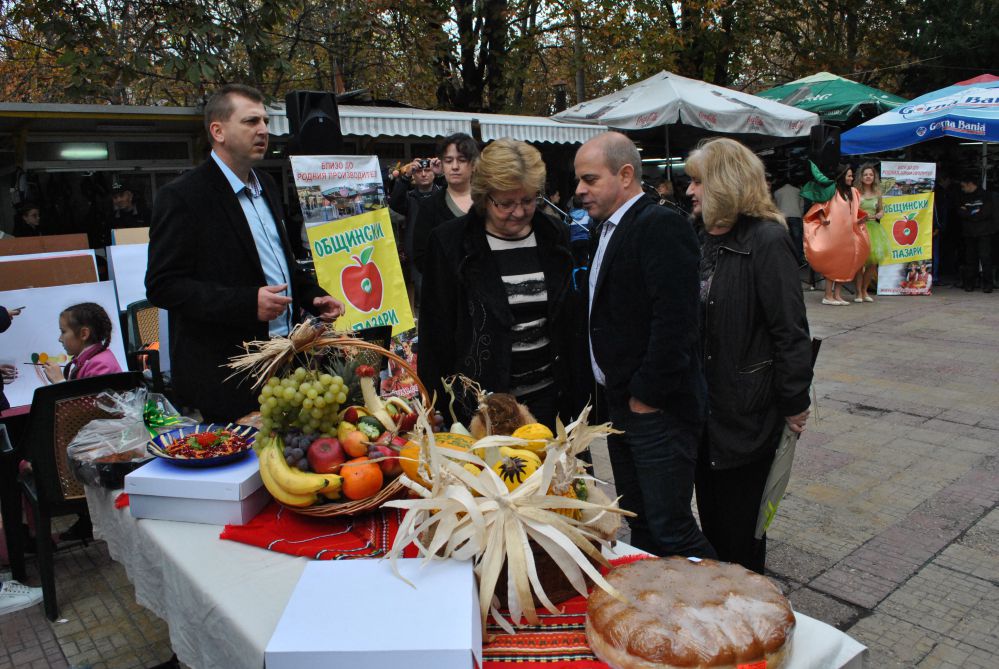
689 615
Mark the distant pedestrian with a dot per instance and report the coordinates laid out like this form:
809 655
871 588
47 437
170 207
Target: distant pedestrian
126 213
792 205
872 206
29 221
979 215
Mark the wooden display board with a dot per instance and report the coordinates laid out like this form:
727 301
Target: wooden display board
43 272
15 246
122 236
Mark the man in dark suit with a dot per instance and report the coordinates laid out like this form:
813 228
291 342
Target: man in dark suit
643 327
220 261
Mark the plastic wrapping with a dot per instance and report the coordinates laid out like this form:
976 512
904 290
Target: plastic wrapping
106 449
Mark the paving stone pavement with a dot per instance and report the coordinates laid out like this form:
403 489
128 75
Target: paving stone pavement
889 531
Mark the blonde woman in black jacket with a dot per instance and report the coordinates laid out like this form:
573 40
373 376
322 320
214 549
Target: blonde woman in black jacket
757 354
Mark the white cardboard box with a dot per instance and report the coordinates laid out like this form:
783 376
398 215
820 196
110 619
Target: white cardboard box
358 614
230 494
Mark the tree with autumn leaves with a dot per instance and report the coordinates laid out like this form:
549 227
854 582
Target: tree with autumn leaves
516 56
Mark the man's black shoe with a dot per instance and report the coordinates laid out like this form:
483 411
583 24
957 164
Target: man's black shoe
987 289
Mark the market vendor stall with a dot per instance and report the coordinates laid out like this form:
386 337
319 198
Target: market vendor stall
222 600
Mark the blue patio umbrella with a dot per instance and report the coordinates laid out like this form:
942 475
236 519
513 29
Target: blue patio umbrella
968 110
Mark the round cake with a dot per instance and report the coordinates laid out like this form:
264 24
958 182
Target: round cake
689 614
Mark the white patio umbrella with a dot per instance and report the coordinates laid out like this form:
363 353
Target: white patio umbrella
667 99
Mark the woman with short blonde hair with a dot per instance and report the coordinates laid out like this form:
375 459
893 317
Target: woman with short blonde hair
737 185
756 349
507 165
497 304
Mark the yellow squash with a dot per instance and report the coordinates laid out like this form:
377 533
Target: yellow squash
515 465
537 436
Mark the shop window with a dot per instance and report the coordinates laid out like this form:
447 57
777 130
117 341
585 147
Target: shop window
59 151
152 150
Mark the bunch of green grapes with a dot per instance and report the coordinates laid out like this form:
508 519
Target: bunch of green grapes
305 400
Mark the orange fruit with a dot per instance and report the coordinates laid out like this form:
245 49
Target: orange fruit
361 478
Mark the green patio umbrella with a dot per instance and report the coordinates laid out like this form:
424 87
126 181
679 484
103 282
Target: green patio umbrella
832 97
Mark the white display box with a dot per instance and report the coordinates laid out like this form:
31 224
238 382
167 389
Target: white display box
358 614
230 494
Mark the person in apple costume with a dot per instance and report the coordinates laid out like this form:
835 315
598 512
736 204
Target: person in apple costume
220 260
497 301
756 346
643 345
836 241
870 203
458 154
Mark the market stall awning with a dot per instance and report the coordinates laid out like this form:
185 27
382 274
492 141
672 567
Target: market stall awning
967 110
667 99
832 97
410 122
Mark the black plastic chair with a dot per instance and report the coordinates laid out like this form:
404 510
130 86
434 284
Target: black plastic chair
143 330
58 412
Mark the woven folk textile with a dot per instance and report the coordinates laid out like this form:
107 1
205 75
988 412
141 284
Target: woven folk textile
559 641
278 529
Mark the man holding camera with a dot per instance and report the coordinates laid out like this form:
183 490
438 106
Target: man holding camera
413 183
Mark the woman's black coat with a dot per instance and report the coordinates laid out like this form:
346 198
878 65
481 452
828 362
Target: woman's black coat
757 351
465 320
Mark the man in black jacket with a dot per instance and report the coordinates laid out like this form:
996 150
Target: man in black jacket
643 329
220 261
979 216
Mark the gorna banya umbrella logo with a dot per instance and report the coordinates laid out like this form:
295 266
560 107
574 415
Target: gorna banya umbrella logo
974 98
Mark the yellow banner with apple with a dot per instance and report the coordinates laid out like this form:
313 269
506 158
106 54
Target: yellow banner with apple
357 262
908 220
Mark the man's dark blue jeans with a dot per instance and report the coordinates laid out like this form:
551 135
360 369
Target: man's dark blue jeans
653 463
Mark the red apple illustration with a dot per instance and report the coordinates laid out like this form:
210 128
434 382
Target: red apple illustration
905 230
362 283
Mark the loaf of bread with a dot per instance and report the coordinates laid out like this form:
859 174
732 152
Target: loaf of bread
690 615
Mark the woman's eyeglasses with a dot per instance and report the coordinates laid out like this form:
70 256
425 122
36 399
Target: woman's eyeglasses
509 206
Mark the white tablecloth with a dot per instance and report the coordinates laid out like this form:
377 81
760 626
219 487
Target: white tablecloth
222 599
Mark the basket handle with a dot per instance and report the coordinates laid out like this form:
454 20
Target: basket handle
345 342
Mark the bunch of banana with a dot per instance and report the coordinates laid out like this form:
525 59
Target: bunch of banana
289 485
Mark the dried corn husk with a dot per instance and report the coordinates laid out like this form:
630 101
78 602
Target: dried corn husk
263 358
467 517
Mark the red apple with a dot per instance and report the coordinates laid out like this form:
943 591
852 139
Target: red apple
325 455
905 230
390 465
399 442
362 283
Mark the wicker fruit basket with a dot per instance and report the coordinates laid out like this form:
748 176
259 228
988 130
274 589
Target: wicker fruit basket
313 345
